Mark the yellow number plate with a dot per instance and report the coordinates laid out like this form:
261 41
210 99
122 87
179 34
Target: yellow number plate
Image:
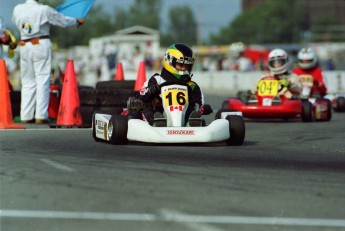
175 96
307 78
268 87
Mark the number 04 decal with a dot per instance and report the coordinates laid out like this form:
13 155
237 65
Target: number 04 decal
175 97
268 88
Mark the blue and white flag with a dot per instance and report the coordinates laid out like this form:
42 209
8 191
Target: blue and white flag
75 8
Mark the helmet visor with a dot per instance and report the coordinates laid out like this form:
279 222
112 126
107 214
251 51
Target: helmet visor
277 63
306 61
182 64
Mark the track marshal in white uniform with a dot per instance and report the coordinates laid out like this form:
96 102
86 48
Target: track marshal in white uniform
33 21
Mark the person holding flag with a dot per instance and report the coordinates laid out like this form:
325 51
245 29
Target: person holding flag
7 38
33 21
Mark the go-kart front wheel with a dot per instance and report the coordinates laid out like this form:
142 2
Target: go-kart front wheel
94 127
237 130
117 129
307 111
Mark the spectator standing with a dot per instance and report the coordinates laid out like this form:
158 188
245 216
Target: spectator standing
33 21
244 63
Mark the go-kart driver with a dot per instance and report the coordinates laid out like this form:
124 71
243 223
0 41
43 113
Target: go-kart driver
278 63
177 67
308 67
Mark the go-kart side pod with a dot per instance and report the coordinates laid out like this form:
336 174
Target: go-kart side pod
117 129
322 109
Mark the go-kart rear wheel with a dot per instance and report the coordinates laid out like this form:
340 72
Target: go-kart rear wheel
237 130
307 111
117 129
340 104
329 109
220 111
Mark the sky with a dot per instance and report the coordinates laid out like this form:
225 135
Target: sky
211 15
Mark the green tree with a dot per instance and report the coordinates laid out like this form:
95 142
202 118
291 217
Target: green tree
121 19
270 22
97 23
182 27
145 13
327 28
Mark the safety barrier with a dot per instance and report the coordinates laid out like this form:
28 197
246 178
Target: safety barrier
233 81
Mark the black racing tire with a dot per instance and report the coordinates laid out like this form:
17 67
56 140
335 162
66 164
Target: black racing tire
329 109
307 111
105 97
115 84
87 112
94 127
117 130
340 104
237 130
85 88
219 112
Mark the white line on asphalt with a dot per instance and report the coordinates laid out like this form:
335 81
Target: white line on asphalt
169 214
57 165
175 218
78 215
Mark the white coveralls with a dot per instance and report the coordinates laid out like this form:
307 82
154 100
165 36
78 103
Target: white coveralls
33 20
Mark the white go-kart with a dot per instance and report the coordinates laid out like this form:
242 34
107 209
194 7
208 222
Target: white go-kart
117 129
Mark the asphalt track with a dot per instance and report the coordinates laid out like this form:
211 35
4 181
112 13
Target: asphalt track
288 175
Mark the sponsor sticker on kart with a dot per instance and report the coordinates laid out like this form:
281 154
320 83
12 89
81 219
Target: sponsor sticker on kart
180 132
266 102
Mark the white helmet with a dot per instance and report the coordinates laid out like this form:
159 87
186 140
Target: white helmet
306 58
278 61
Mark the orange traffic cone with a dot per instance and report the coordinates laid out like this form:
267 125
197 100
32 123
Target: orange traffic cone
141 77
69 109
119 72
6 120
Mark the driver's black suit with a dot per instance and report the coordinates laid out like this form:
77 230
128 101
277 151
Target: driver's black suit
150 94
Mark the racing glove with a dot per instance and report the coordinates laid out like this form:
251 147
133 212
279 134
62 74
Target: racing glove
153 90
205 109
135 104
284 82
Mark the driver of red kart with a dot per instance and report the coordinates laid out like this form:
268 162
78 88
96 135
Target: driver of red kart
278 63
310 73
177 67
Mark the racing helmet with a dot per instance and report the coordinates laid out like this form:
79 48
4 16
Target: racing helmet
278 61
179 54
306 58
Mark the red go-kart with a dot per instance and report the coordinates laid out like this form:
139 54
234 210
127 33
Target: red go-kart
266 103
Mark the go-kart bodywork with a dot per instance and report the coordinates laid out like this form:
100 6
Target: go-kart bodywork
266 103
118 129
337 101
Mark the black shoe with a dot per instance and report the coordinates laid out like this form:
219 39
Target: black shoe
159 120
195 120
28 121
42 121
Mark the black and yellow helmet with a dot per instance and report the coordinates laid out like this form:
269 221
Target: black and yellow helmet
179 54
